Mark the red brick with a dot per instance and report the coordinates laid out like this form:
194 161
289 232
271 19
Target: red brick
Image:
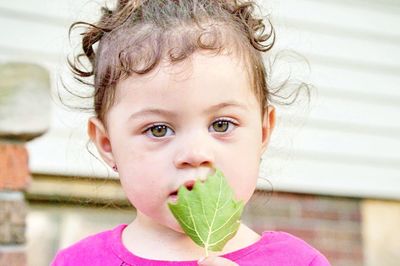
305 234
320 214
354 255
295 196
14 169
12 256
340 234
354 216
12 222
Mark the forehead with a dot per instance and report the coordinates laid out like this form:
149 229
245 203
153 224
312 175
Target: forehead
202 73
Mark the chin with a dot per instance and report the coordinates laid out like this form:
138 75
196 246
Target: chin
179 230
173 224
176 227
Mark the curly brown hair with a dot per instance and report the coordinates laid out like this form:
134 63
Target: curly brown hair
135 35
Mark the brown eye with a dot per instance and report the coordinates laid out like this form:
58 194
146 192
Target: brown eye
220 126
159 131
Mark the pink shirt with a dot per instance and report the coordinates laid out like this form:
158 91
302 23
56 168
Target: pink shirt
273 248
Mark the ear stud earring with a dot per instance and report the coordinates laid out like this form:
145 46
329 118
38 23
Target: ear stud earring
115 168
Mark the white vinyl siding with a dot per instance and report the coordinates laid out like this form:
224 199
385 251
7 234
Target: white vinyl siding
346 143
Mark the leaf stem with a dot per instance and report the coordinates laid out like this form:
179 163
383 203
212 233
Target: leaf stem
206 248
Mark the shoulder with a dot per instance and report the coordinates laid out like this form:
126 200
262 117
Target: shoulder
87 251
281 248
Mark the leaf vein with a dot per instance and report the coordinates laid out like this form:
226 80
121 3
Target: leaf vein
215 212
194 224
191 228
220 208
222 239
204 214
238 209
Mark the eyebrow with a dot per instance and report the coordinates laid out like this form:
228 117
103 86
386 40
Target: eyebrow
167 113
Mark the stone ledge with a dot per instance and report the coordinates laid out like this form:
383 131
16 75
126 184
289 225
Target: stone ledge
12 248
89 190
11 195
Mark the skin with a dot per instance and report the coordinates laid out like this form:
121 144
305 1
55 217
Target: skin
189 143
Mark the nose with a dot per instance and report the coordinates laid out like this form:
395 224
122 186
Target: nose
196 152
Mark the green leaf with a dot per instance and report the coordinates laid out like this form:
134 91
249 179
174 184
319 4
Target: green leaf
208 213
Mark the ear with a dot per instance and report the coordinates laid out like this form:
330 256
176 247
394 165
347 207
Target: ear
268 124
99 136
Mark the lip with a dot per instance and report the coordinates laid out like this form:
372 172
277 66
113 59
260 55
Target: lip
173 196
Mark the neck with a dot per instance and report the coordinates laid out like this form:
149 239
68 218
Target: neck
144 235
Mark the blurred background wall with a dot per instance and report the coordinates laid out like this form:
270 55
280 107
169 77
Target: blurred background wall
333 165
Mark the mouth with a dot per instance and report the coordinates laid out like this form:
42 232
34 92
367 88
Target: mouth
173 197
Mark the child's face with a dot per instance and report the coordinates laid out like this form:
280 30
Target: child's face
176 123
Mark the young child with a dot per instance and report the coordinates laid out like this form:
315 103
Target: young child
180 89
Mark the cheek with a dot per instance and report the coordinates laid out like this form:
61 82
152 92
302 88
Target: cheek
144 184
143 173
143 195
242 177
244 181
242 170
137 172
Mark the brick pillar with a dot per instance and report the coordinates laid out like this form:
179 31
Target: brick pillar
14 178
24 115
